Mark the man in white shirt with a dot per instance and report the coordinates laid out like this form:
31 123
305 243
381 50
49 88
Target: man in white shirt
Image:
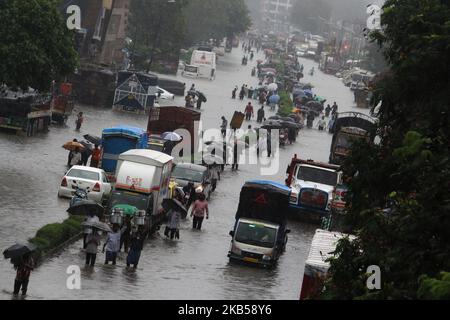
76 158
321 124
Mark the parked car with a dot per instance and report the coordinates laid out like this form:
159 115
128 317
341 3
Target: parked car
79 177
164 94
183 173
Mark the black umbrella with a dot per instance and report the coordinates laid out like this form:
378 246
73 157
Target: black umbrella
93 139
201 96
87 148
18 250
287 119
271 124
86 207
275 118
290 125
176 205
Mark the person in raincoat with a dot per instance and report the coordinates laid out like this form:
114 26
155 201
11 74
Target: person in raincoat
174 224
24 268
137 244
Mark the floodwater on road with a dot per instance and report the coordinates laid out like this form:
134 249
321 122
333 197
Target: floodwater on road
194 267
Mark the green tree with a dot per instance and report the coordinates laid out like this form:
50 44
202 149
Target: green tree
399 204
157 30
215 19
35 45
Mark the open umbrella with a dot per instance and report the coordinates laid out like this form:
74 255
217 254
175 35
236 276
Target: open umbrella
87 148
272 124
288 119
18 250
308 92
201 96
275 118
171 136
274 99
127 209
314 105
71 146
97 225
211 159
272 87
93 139
291 125
307 87
173 204
86 207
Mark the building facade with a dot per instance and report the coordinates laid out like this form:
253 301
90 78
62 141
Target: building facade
277 13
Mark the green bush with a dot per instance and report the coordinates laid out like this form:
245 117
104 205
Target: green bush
51 236
286 104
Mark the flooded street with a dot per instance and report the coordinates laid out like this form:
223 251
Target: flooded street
196 266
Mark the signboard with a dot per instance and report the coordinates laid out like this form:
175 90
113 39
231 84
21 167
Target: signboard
203 58
237 120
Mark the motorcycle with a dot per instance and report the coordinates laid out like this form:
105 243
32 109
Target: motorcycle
80 195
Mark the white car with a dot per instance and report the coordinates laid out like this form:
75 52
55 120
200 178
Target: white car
92 179
165 95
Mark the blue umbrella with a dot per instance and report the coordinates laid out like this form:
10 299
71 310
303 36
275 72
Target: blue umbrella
274 99
308 92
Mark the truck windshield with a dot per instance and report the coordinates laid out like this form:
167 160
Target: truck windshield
137 200
187 174
256 235
317 175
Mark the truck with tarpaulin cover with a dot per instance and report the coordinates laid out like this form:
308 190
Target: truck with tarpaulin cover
118 140
260 231
347 128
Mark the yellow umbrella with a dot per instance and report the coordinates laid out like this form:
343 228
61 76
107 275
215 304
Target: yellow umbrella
71 146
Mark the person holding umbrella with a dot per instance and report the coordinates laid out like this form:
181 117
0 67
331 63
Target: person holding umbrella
24 268
92 244
69 159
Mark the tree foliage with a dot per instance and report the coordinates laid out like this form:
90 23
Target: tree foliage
35 45
215 19
308 14
399 201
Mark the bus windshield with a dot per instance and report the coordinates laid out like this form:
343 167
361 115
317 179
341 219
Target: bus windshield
140 201
256 235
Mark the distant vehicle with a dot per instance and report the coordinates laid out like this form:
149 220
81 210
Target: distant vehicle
174 86
87 178
206 63
361 79
348 127
164 94
62 104
260 232
190 71
313 186
316 267
118 140
220 51
301 53
183 173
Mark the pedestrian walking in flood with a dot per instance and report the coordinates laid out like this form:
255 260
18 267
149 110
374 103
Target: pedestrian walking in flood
112 244
24 268
96 157
242 93
215 176
79 121
76 158
137 244
334 109
69 158
260 115
224 126
321 124
249 112
233 93
327 111
92 244
88 230
199 210
174 224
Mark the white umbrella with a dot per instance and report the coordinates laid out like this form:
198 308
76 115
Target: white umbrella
171 136
272 87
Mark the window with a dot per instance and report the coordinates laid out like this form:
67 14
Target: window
256 235
82 174
326 177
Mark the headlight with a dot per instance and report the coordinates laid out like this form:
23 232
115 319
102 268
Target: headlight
236 250
266 257
293 198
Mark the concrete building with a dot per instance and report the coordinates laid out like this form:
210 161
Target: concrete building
277 14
